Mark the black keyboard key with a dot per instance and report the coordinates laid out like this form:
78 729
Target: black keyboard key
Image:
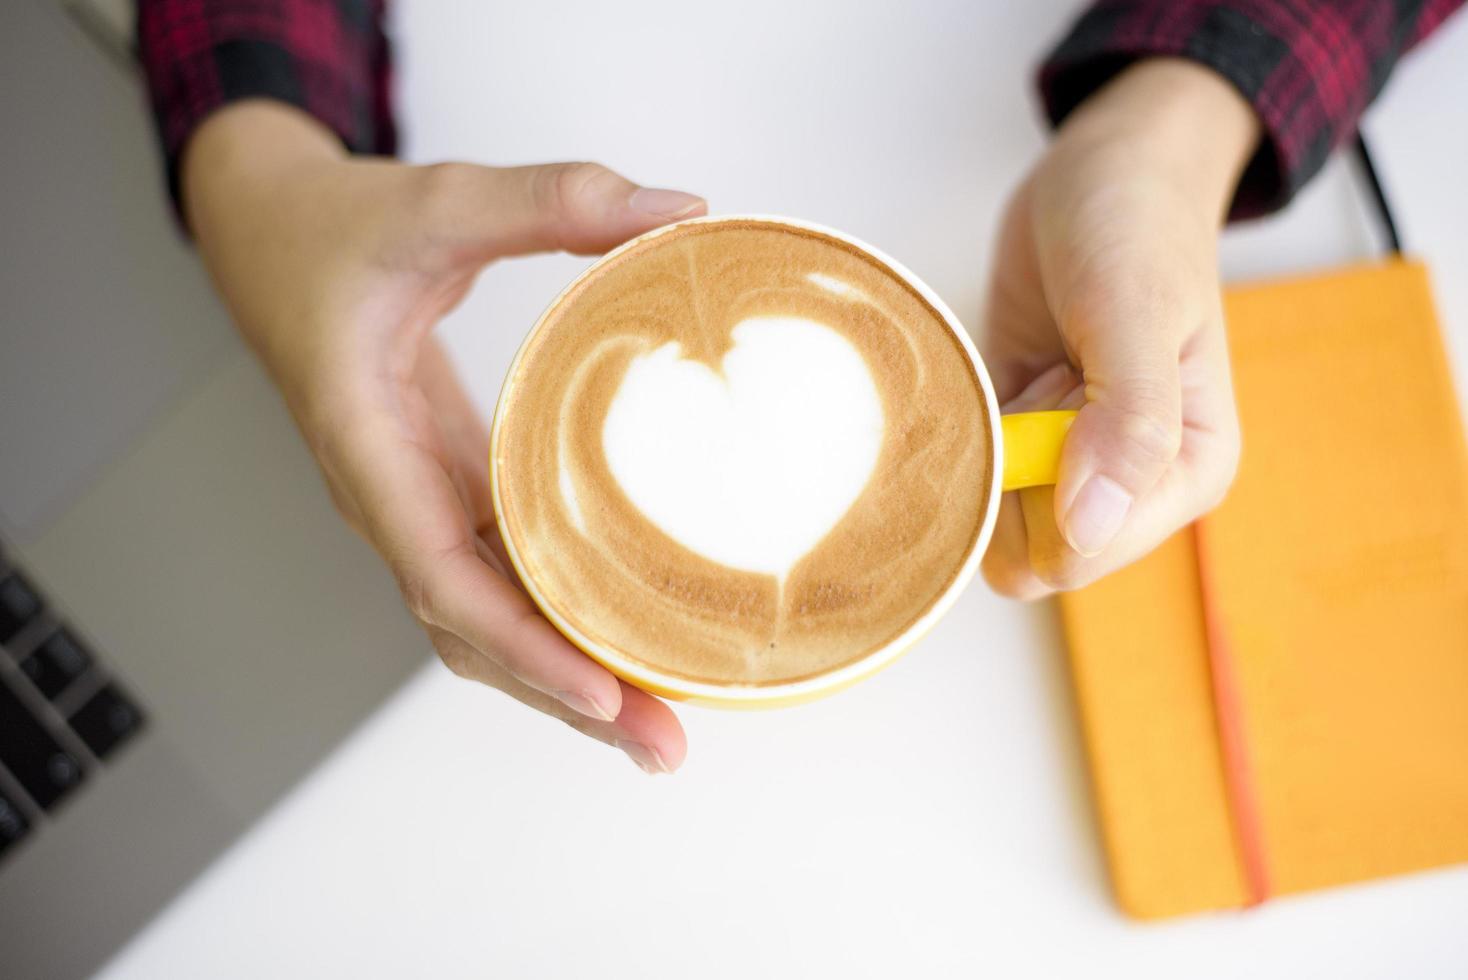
13 825
19 604
43 768
107 720
58 661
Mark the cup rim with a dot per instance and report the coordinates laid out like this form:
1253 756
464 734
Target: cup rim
732 695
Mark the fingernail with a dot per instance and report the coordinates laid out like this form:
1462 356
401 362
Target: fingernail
1096 515
646 757
584 703
664 203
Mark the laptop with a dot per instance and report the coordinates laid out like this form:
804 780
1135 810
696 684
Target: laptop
186 627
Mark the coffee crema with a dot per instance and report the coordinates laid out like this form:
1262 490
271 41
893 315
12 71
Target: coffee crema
645 397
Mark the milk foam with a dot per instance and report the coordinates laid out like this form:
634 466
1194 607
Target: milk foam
750 466
742 453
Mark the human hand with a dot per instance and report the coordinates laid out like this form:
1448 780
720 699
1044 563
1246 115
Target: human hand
336 269
1105 298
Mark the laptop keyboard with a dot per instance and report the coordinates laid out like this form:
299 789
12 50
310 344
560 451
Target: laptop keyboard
61 716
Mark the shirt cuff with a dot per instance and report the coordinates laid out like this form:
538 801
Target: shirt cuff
200 55
1307 85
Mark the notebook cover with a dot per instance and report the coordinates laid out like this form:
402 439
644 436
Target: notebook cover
1338 570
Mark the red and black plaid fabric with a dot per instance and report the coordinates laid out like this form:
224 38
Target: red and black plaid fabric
1309 67
328 57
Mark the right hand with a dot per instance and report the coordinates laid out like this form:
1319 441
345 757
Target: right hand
336 269
1105 298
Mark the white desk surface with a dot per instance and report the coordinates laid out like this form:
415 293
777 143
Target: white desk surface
933 821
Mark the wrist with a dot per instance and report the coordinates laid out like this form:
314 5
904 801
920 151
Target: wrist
1176 116
252 180
239 150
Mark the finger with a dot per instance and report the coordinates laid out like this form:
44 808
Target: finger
1006 564
576 207
466 443
653 736
646 730
1130 429
1192 486
1169 505
499 620
491 550
1073 399
462 429
1044 392
416 521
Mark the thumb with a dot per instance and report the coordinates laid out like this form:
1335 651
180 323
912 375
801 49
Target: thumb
1126 435
575 207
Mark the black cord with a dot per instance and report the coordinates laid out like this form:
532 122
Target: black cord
1384 209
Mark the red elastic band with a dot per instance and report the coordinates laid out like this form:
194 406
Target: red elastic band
1238 775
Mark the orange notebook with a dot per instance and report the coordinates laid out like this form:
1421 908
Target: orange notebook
1277 700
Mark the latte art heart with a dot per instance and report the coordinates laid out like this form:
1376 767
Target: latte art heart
752 468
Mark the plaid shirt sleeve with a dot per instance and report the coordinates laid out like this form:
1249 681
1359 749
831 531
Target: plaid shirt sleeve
1309 67
327 57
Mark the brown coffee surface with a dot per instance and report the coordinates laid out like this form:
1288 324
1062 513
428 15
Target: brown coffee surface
622 582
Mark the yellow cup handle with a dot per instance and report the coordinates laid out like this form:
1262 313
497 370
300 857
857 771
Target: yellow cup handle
1032 443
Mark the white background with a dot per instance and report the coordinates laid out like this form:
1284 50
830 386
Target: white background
933 821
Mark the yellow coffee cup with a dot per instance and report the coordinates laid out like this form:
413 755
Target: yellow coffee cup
1026 450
